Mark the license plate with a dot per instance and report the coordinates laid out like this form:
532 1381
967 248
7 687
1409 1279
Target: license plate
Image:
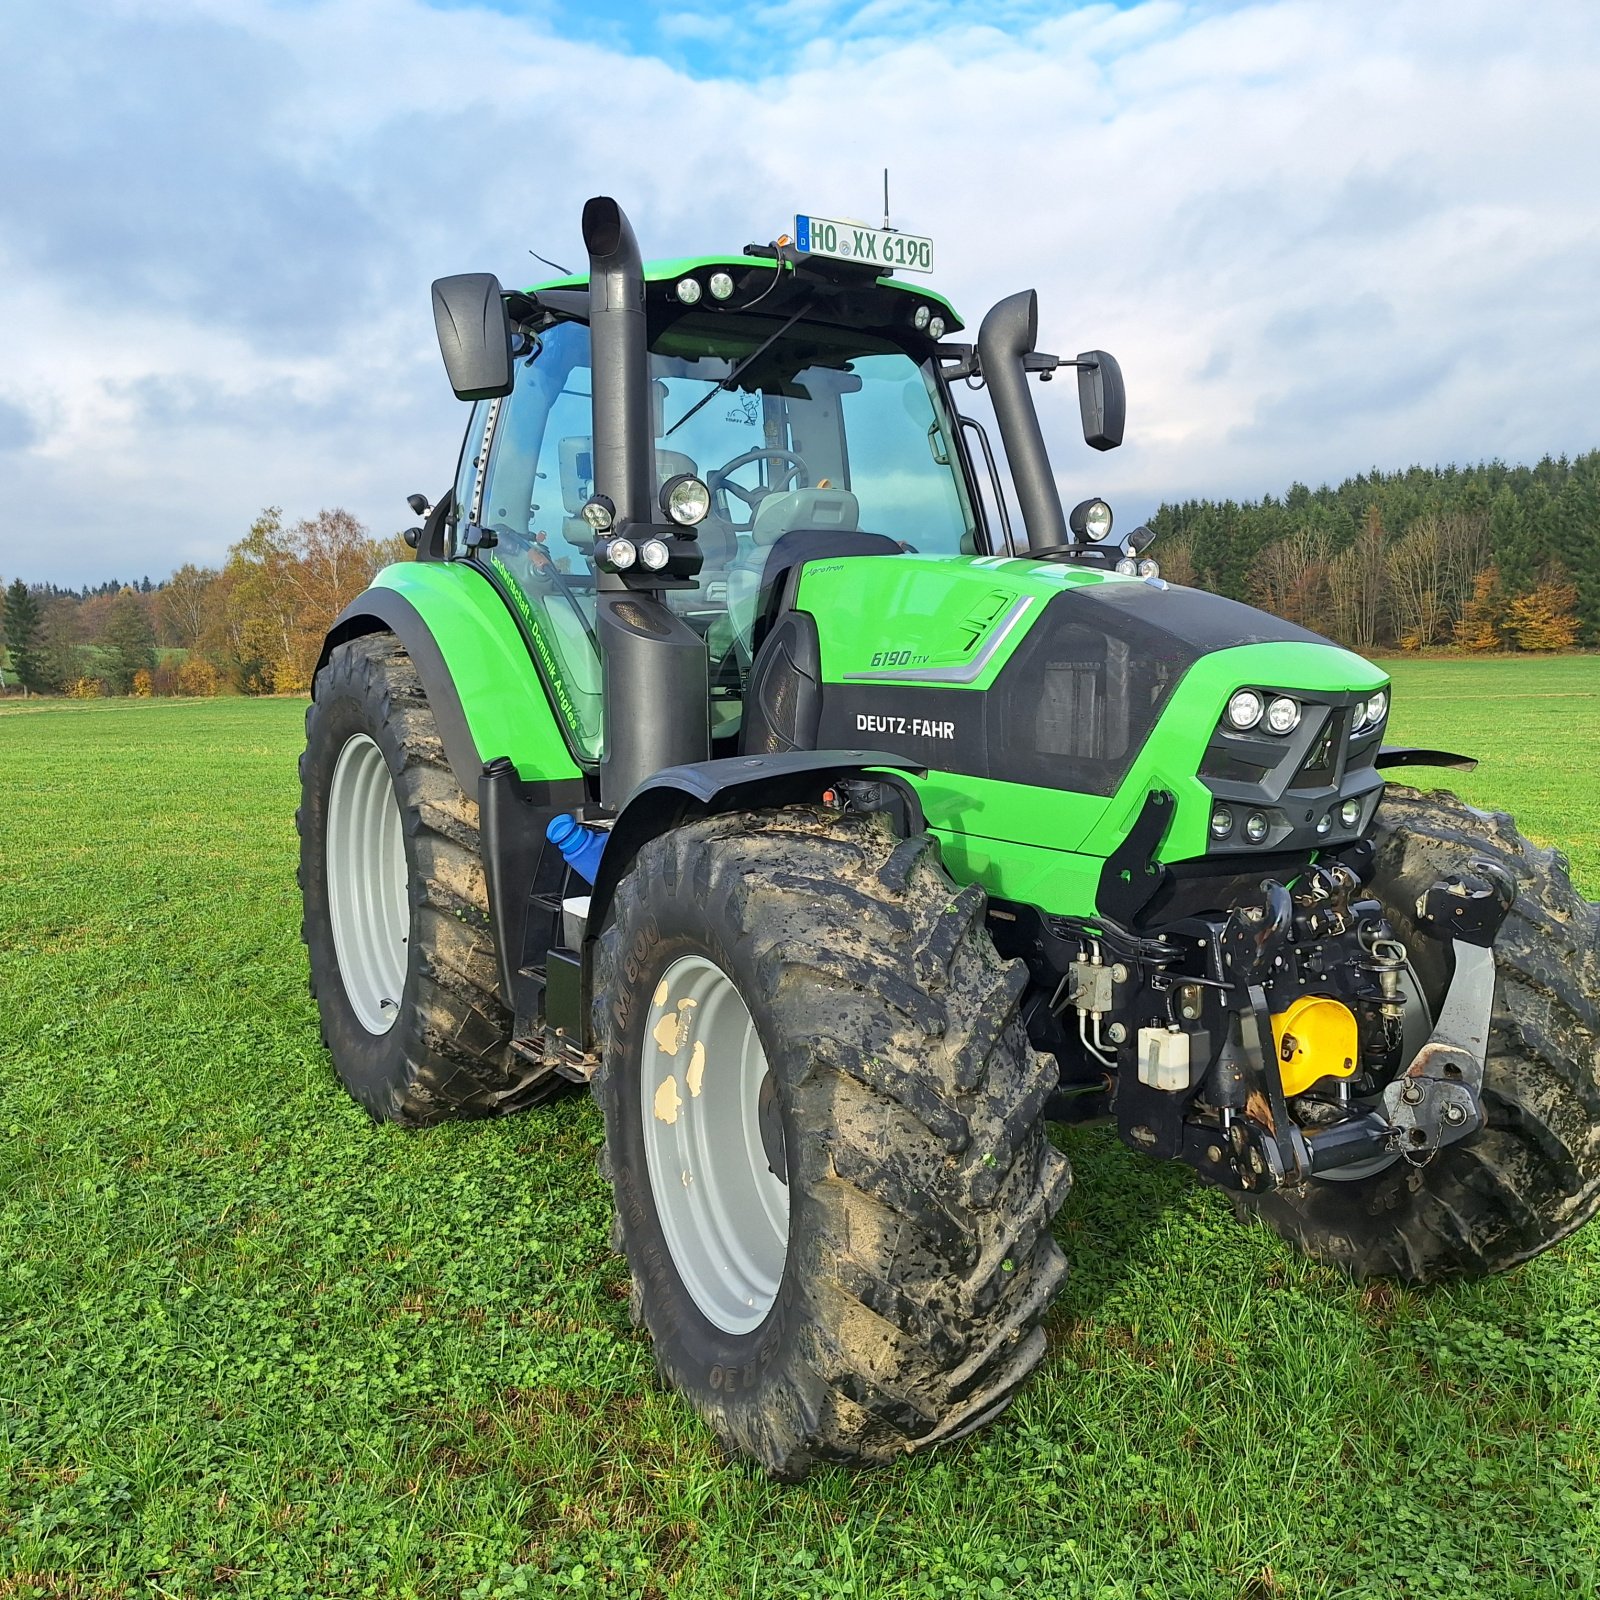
850 241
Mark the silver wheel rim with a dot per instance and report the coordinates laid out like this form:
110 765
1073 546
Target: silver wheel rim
724 1213
367 884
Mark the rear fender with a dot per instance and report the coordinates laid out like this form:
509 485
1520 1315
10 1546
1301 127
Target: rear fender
476 669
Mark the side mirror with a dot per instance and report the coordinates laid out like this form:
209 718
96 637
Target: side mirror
1101 399
474 335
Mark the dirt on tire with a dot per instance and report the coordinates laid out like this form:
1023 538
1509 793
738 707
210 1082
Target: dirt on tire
922 1183
448 1053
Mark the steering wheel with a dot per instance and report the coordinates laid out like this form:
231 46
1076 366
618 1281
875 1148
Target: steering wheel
796 469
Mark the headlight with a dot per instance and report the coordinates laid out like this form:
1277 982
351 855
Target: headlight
621 554
686 499
1376 708
1244 709
1255 827
1221 822
599 513
1350 813
1149 568
653 554
1128 567
1283 715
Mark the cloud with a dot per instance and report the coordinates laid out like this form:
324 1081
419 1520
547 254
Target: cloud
1318 234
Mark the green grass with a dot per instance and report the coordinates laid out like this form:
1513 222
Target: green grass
252 1345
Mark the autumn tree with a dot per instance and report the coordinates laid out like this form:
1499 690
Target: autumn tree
286 586
1291 579
185 604
1546 618
1478 628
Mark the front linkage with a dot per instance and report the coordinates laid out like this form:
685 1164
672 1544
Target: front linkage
1283 1040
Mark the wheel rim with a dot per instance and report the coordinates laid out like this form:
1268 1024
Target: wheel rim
703 1085
367 905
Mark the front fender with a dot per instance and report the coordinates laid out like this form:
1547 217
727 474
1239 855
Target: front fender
738 783
482 686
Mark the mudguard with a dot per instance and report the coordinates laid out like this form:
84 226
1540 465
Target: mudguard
738 783
479 675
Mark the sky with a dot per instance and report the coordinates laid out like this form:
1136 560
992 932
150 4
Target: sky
1319 235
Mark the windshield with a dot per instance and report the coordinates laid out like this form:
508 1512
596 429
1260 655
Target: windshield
819 408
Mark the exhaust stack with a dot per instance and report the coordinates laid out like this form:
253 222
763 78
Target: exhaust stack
1009 332
654 671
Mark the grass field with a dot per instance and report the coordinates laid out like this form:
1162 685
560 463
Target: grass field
252 1345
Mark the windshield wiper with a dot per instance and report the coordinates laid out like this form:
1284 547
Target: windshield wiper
733 377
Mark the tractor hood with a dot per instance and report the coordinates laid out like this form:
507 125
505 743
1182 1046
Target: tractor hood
1060 696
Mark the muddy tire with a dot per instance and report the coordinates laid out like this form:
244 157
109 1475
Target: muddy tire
1532 1174
908 1255
391 874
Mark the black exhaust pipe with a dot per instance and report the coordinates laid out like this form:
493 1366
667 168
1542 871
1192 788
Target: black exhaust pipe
622 443
1009 333
654 671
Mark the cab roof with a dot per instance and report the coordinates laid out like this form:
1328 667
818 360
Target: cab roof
841 291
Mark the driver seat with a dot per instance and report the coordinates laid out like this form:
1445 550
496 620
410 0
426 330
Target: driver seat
818 510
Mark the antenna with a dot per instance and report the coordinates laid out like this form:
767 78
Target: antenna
886 227
555 265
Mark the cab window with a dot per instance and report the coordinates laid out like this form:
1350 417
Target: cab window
540 473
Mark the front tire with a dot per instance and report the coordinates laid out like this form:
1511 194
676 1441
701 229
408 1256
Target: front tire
1531 1175
873 1277
396 923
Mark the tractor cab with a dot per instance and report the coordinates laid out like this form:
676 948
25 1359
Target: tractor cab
801 414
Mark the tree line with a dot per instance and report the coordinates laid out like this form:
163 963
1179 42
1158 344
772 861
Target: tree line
1487 557
251 626
1480 558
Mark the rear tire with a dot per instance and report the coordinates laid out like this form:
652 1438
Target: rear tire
903 1308
445 1051
1531 1175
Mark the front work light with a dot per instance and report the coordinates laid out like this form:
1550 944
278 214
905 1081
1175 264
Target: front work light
686 499
1128 567
721 286
654 555
599 513
1091 519
1244 709
688 291
1149 568
1283 715
936 328
621 554
919 318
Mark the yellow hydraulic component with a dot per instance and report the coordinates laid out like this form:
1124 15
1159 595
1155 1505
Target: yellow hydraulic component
1316 1038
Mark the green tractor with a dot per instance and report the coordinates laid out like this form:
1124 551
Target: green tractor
725 749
